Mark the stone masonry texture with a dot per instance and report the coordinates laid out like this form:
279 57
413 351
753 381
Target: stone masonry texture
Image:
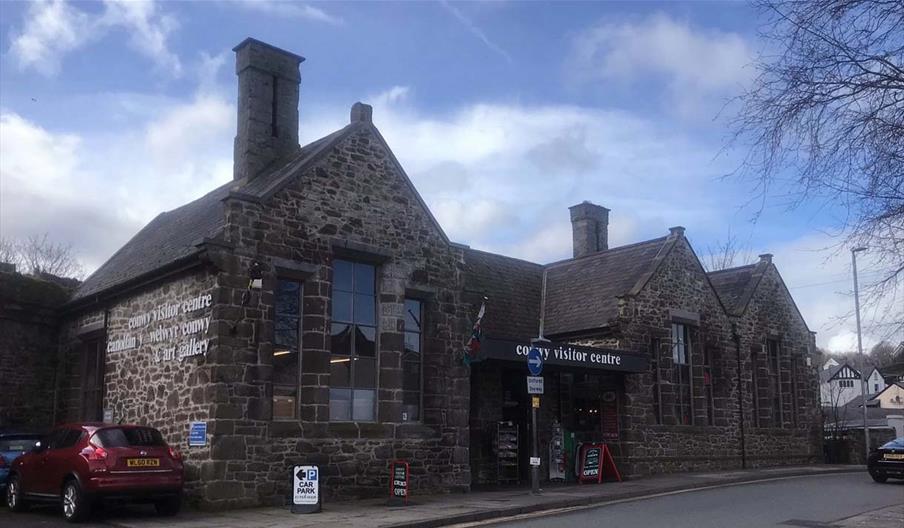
28 332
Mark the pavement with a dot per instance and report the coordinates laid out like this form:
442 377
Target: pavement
466 508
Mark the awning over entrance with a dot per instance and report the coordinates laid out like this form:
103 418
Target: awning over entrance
566 355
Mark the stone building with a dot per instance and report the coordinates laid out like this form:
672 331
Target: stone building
313 311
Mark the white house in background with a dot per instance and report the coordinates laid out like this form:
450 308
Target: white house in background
892 397
829 364
838 385
875 383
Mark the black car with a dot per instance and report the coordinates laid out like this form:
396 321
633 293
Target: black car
887 461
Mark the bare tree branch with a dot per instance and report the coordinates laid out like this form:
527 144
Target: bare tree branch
826 113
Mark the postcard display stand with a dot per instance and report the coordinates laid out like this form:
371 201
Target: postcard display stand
507 452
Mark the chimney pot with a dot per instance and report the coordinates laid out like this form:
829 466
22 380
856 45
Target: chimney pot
267 106
362 113
589 228
677 231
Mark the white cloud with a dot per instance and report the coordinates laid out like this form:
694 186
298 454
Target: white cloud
96 191
148 29
820 280
697 67
54 28
289 9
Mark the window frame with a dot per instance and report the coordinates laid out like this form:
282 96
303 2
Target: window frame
774 369
296 410
682 366
420 405
352 355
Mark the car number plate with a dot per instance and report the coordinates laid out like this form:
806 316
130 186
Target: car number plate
894 456
143 462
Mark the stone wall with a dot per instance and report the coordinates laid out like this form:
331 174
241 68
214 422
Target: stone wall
354 203
796 435
654 442
157 379
28 333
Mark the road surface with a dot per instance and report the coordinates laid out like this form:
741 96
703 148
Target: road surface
813 501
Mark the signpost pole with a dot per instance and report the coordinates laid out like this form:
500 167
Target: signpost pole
535 367
534 469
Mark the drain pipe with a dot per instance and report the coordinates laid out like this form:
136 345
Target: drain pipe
737 341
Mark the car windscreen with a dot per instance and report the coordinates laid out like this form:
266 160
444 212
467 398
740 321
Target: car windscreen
128 437
897 443
18 443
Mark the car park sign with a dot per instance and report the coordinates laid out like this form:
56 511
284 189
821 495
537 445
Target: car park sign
305 489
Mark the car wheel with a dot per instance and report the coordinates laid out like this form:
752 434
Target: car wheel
878 478
169 507
75 506
14 496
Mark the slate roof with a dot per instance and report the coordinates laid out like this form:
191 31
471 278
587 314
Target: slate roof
169 237
582 293
512 288
736 286
175 235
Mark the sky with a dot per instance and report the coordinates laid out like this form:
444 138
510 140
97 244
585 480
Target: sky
502 113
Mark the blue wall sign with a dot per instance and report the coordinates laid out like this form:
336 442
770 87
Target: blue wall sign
534 361
197 434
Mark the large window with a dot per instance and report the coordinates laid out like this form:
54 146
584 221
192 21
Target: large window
287 327
411 361
708 385
681 374
353 362
773 355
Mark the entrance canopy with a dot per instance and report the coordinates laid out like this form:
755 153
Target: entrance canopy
566 355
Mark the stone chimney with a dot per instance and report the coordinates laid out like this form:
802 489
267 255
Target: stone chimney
267 106
589 228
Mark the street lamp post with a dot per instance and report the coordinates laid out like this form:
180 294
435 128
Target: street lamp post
863 384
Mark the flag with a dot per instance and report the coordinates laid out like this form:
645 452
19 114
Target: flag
472 348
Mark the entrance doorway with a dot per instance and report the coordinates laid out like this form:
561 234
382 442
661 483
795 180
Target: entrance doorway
92 352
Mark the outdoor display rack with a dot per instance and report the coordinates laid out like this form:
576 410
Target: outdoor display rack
507 453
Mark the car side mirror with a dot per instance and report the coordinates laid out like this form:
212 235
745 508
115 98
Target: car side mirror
38 447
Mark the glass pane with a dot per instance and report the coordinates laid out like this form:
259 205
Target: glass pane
412 347
342 275
412 315
285 331
365 309
364 341
285 367
340 339
340 404
365 373
363 405
364 279
283 402
411 376
411 406
340 372
342 306
287 298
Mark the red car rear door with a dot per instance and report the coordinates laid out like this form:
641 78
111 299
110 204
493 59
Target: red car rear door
61 460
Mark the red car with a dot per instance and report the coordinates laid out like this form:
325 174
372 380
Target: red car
79 464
